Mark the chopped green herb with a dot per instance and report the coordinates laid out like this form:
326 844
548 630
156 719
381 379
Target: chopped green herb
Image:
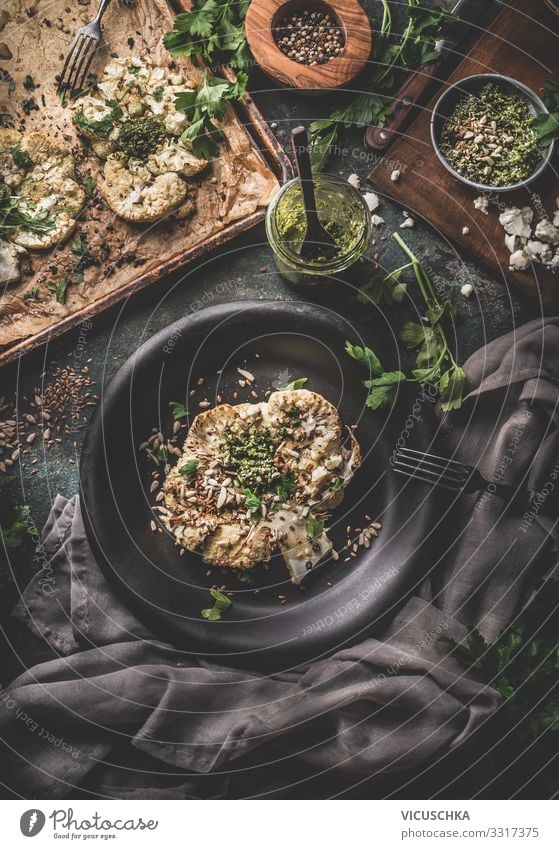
221 603
178 410
189 469
89 184
337 485
60 289
21 157
29 83
314 527
31 294
285 486
13 217
249 455
157 455
29 104
295 384
157 93
138 137
79 245
245 577
101 127
253 502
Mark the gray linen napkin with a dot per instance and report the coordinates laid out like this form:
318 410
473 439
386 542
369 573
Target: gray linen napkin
388 704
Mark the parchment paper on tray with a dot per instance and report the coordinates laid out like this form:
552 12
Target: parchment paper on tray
234 186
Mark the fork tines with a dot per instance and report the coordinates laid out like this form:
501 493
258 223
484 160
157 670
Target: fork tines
77 63
430 468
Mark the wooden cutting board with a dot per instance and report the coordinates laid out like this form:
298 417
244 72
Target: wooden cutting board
520 47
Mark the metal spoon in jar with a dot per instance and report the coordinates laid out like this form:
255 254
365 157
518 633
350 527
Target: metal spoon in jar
316 241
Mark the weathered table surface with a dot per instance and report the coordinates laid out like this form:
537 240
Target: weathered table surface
245 269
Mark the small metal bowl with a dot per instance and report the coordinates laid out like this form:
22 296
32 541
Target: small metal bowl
447 103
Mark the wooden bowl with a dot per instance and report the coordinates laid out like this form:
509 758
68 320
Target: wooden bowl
262 18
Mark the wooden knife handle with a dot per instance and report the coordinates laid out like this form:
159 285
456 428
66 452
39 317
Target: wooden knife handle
408 96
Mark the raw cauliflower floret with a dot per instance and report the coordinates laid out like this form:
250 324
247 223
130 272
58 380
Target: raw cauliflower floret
547 232
517 222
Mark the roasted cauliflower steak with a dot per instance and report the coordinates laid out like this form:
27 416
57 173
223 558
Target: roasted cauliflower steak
257 478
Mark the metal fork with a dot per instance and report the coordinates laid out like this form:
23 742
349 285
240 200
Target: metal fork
81 53
446 474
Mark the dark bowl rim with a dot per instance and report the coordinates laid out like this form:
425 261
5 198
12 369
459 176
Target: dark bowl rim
482 187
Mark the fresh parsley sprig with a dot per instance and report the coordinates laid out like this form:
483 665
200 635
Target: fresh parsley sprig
204 105
414 47
213 30
178 410
435 363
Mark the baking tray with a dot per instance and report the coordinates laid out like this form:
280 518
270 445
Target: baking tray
264 144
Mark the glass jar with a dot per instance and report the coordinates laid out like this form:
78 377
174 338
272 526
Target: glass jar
341 210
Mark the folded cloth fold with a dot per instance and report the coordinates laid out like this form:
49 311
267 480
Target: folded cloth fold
390 703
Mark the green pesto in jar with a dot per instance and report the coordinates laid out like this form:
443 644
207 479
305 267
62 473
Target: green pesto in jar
343 213
346 229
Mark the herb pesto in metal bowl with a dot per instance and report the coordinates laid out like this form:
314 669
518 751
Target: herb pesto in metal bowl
484 132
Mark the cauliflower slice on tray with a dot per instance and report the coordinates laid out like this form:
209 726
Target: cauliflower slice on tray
38 173
133 125
49 189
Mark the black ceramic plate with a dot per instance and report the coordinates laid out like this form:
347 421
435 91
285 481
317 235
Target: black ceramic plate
342 602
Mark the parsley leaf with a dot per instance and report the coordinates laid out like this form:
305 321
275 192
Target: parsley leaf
285 486
451 387
547 126
294 384
364 356
380 289
221 603
178 410
435 364
382 390
314 527
101 127
253 502
60 289
21 157
89 184
337 485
